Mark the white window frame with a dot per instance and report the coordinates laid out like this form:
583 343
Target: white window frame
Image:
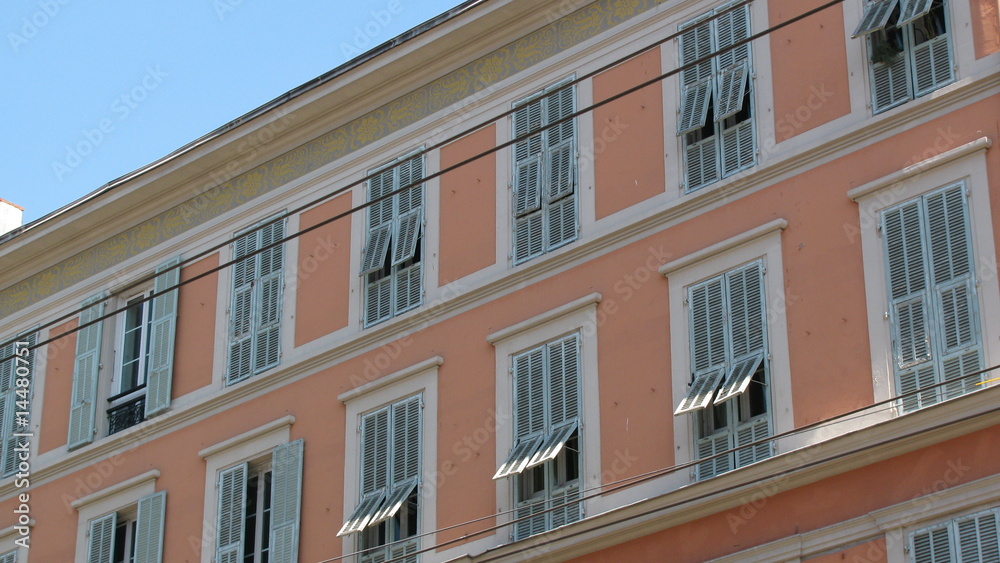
117 353
122 498
761 243
417 379
951 525
578 316
964 163
253 447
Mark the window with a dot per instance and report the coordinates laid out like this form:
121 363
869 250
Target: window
728 392
933 307
544 186
258 508
545 459
908 49
389 510
715 120
15 400
9 557
143 368
129 535
967 538
255 313
391 266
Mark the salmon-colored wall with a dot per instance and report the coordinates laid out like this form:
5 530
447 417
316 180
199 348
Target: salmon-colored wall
627 148
323 284
817 505
808 92
868 552
985 26
196 328
468 207
60 359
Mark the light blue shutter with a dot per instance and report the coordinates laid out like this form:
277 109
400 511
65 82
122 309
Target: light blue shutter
737 142
269 287
696 43
907 289
745 293
697 86
241 321
408 285
710 446
528 241
733 27
560 164
83 407
529 392
101 544
932 65
876 17
912 10
232 501
8 402
286 495
162 327
708 330
931 546
890 86
149 528
977 537
375 451
563 380
406 440
732 89
9 557
694 106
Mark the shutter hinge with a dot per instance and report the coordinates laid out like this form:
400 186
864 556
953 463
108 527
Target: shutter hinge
885 314
685 302
878 228
968 192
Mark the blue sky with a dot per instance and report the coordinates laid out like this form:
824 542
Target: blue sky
93 90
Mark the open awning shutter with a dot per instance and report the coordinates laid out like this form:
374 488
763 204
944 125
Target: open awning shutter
552 445
701 391
519 457
912 10
876 17
407 234
362 515
163 327
393 501
694 106
377 248
732 90
739 378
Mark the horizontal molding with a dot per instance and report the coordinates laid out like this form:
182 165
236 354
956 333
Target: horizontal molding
247 436
548 316
980 144
395 377
125 485
720 247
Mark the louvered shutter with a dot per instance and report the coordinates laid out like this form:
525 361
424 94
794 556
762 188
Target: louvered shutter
746 309
232 500
912 10
286 498
696 43
406 440
733 27
367 507
563 380
267 336
101 543
931 546
731 86
876 17
529 392
553 443
890 86
708 447
527 185
378 301
375 451
83 408
517 461
408 288
932 65
702 163
560 213
907 284
406 237
739 377
977 538
394 501
380 185
738 149
528 241
162 327
708 341
149 528
754 431
377 248
9 557
694 106
409 216
8 401
241 314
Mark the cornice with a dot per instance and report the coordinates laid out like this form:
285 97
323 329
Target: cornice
548 316
395 377
720 247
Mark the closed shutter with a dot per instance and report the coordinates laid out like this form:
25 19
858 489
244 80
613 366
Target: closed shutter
83 408
746 309
754 431
375 451
708 447
101 543
564 380
529 392
241 321
406 440
286 499
163 327
931 546
702 163
8 401
527 185
977 538
560 213
528 241
267 338
733 27
9 557
149 528
696 43
932 65
890 86
232 500
907 284
708 329
738 150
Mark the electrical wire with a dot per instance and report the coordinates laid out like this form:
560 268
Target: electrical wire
612 486
368 176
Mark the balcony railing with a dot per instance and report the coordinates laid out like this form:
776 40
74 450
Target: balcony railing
127 414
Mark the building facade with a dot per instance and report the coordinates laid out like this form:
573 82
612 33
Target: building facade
565 281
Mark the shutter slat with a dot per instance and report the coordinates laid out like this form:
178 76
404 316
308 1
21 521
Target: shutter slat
702 164
376 249
362 515
286 499
732 86
528 241
732 28
149 528
232 501
550 447
529 392
406 236
694 106
375 451
701 391
695 43
163 326
83 409
406 440
739 378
